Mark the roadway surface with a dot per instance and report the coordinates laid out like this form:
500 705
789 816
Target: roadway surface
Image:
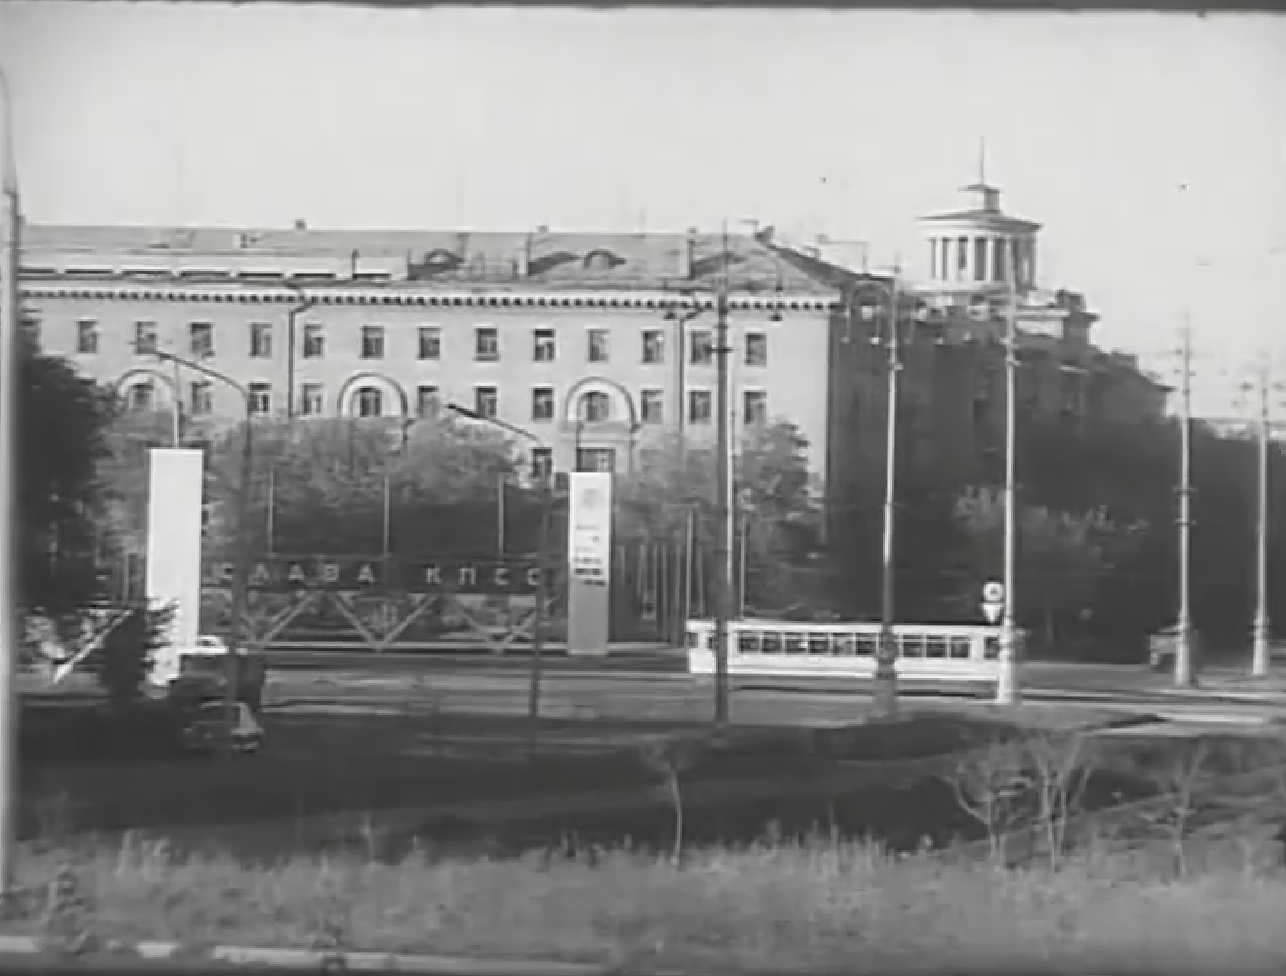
654 686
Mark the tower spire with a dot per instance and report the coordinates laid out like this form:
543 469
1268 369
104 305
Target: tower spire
982 161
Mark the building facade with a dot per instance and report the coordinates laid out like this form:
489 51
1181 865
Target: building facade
952 330
590 343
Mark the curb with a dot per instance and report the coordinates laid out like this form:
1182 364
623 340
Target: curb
314 959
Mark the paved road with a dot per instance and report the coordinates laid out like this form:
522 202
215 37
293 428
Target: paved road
677 697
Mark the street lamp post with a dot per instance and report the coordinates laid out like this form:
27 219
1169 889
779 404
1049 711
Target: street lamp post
10 627
1183 677
241 569
886 680
1007 692
548 500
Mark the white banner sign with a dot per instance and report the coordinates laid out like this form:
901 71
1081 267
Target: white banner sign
589 526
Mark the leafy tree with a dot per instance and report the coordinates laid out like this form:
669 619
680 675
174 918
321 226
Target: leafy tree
319 486
1061 559
62 421
779 518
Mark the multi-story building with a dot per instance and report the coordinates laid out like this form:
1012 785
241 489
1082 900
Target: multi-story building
952 330
587 341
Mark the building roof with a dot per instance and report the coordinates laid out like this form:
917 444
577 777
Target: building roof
551 259
984 218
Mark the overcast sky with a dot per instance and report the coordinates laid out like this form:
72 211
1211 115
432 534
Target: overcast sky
1152 147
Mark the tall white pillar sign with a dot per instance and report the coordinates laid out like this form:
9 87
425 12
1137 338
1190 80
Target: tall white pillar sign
174 538
589 557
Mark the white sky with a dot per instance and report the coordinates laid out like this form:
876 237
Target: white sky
1151 146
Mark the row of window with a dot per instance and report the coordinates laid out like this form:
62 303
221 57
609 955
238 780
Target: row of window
429 338
594 407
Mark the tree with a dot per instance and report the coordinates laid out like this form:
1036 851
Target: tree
318 486
1061 558
776 502
62 420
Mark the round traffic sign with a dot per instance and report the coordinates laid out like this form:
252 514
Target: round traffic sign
993 592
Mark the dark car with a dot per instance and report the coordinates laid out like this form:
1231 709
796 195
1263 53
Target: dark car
210 725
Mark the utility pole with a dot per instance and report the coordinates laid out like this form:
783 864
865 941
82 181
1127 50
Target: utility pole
1007 692
1183 628
10 626
886 679
1259 652
723 484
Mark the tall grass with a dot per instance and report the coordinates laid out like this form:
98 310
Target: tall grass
820 903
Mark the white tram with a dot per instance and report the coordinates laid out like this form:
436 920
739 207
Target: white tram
934 653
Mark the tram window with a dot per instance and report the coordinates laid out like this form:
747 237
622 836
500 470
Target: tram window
819 644
911 646
993 647
865 644
694 639
772 643
845 645
935 646
748 643
796 644
960 647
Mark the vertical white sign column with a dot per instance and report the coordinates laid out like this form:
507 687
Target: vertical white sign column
174 539
589 562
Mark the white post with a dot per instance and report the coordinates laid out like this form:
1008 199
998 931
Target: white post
1259 653
1007 692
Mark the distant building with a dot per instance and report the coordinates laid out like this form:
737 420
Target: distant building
952 402
575 338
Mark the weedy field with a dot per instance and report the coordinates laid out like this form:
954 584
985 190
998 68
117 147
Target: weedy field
1015 848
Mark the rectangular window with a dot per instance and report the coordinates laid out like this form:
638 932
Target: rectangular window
260 399
980 259
653 346
542 464
370 402
260 340
201 398
145 337
372 342
700 407
486 401
430 338
756 349
652 407
755 405
314 341
87 337
962 256
599 350
542 403
201 339
544 346
310 400
427 398
596 459
702 348
486 343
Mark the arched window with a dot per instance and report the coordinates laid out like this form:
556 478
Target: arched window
595 407
370 402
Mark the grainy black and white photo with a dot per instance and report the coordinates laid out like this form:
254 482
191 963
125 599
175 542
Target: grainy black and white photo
641 490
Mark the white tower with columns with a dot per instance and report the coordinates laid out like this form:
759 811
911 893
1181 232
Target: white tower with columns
978 248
